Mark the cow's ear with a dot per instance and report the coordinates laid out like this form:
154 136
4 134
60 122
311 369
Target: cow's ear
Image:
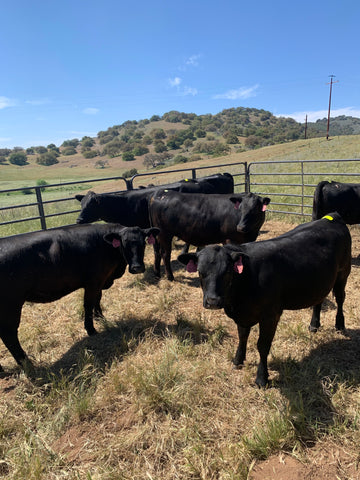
190 260
79 197
237 258
151 233
236 201
113 239
266 201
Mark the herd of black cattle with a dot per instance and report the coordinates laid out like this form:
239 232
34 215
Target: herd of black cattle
253 281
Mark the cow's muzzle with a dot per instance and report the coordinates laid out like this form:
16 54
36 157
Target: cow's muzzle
136 269
213 303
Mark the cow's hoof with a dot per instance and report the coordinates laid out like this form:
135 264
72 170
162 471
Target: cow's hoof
237 367
313 329
261 383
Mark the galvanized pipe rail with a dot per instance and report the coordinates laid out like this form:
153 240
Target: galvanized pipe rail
248 178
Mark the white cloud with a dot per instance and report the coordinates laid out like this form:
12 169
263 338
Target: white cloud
6 102
189 91
240 93
193 60
91 111
320 114
175 82
38 102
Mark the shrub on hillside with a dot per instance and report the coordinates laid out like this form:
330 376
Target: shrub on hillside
18 158
140 150
90 154
130 173
42 183
69 151
47 159
128 156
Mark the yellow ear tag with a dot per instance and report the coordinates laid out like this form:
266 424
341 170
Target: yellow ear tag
186 179
328 217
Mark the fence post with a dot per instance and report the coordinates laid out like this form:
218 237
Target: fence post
193 173
40 208
302 188
247 177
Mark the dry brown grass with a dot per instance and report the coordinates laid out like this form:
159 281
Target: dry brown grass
153 395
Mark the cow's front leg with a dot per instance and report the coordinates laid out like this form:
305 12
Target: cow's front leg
166 255
315 319
90 299
9 335
241 350
267 331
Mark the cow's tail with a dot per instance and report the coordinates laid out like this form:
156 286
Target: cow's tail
318 201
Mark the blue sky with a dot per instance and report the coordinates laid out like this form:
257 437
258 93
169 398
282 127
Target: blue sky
73 68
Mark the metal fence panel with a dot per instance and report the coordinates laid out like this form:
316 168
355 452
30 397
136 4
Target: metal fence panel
289 183
55 205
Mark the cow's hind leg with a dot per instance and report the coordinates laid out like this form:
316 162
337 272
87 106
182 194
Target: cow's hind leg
9 335
339 292
315 319
267 331
157 258
241 350
97 307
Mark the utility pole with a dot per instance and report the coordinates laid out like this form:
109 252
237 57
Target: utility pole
328 120
305 127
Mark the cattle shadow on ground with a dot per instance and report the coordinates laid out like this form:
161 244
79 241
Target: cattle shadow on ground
310 384
114 341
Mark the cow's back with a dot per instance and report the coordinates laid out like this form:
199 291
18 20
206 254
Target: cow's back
44 266
198 219
298 268
343 198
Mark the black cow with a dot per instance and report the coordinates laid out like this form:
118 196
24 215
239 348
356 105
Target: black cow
256 281
200 219
343 198
44 266
216 183
130 208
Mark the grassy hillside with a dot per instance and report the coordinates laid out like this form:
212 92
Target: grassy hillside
174 139
76 167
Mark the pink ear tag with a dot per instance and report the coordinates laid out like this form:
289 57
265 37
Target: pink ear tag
238 266
237 205
116 243
191 267
263 208
151 239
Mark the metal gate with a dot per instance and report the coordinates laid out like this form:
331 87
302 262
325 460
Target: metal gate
289 184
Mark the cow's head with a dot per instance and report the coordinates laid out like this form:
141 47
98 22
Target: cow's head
90 208
251 213
131 242
216 266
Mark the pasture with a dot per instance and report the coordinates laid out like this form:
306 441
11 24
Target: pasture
154 395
